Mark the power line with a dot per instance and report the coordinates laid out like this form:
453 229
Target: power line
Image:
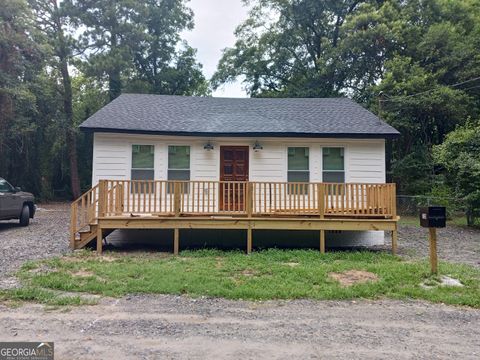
402 97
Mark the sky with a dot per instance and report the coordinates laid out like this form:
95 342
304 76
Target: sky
215 22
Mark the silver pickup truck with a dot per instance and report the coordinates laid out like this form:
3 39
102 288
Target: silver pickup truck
15 203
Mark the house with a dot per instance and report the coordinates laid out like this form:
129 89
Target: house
201 162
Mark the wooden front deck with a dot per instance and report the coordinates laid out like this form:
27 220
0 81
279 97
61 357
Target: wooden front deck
158 204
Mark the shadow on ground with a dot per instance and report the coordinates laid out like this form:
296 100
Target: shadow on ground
4 226
148 240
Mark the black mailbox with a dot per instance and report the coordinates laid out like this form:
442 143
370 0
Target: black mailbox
433 217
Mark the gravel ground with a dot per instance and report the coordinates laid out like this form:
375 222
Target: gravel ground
174 327
150 327
46 236
454 243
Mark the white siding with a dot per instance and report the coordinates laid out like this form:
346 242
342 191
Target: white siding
366 162
110 159
364 159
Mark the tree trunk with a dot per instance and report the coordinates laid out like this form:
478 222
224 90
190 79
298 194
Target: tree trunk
68 107
470 217
114 84
114 80
70 132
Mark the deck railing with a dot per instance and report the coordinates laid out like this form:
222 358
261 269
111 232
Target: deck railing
230 198
84 211
117 197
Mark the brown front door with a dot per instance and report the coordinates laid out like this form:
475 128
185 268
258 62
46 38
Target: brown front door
233 167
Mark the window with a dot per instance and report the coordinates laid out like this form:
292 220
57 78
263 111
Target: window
179 164
298 164
333 165
298 169
5 186
143 162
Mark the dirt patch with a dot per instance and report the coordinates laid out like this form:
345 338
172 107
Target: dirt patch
248 272
353 277
291 264
73 259
184 258
83 273
218 262
108 258
42 269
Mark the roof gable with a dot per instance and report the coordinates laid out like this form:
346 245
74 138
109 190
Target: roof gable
281 117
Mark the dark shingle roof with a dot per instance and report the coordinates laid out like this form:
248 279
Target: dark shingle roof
207 116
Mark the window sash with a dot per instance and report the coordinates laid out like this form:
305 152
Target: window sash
326 179
329 162
298 159
143 159
175 162
178 168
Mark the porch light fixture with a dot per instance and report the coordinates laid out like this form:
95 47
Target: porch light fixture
208 146
257 147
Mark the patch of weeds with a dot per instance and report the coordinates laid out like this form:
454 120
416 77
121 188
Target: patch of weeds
43 296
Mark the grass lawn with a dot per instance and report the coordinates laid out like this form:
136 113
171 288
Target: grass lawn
269 274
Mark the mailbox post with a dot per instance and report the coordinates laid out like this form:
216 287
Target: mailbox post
433 217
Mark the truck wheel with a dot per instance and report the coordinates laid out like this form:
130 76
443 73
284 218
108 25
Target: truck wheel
25 216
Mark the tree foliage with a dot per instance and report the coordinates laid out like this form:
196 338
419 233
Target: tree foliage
60 61
135 45
21 62
459 154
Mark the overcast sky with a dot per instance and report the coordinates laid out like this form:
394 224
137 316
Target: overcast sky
215 22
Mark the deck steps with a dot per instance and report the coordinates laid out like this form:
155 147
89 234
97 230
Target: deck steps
86 236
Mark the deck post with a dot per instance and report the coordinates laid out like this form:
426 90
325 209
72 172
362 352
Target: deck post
395 240
249 239
73 225
321 200
176 198
249 199
176 241
433 250
101 198
393 196
99 239
322 241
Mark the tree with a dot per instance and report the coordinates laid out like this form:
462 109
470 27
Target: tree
51 20
135 45
430 83
290 48
110 33
21 60
163 63
459 155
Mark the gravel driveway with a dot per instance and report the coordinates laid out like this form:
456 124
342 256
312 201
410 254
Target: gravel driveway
454 243
46 236
174 327
150 327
